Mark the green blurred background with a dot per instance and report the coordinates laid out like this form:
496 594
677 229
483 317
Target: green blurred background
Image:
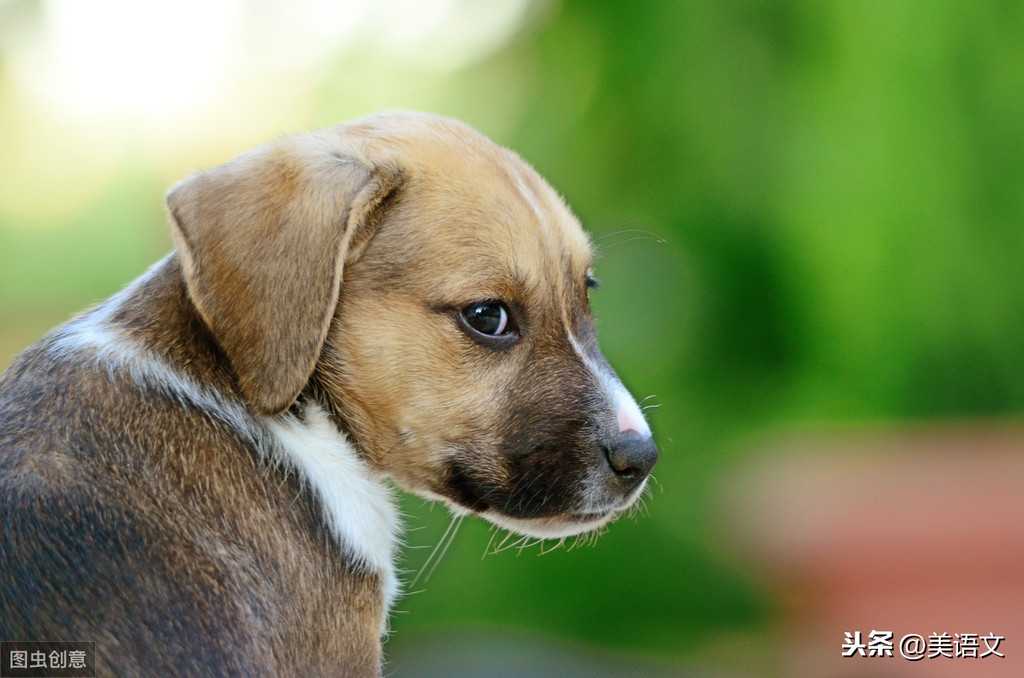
809 214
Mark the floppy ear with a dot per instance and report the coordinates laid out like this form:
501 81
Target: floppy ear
262 240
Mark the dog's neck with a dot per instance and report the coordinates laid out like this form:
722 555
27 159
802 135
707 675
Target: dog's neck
155 311
152 333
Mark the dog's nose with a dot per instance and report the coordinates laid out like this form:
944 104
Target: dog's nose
631 455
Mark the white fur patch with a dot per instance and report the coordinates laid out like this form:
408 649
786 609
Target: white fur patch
630 418
531 200
92 337
359 508
628 413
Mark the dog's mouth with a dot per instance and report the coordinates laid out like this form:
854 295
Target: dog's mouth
556 526
568 523
551 505
552 527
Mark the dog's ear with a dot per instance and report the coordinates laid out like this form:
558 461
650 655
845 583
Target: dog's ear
262 240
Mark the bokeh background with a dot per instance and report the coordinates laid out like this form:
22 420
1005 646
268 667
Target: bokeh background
810 224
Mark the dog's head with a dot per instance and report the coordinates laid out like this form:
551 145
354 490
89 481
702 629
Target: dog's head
432 290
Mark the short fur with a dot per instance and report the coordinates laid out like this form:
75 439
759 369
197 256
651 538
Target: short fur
191 473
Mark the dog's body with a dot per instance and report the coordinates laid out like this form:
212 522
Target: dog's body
191 474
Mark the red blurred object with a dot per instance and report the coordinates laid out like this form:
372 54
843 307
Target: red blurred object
914 531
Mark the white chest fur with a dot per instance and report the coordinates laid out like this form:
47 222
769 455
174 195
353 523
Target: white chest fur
359 508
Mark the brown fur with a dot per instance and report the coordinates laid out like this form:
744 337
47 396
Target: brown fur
210 561
322 271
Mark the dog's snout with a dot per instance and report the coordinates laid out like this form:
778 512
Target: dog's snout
631 456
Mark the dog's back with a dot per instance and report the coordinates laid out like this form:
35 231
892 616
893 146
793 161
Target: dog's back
164 537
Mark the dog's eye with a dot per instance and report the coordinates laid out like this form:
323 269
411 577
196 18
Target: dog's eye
489 318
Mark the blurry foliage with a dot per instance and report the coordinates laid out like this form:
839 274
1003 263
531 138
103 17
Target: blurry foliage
806 212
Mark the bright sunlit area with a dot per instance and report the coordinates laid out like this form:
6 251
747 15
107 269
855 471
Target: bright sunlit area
810 228
104 83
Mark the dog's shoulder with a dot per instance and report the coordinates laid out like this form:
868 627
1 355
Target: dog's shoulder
126 451
95 469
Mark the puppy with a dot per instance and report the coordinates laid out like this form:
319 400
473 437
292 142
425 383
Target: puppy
192 473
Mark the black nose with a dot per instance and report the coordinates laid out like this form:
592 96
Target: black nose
631 456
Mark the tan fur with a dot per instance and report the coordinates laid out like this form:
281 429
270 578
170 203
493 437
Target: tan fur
263 240
150 501
399 366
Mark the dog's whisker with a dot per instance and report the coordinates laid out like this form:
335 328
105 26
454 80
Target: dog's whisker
558 543
637 233
413 592
621 231
660 241
445 541
525 543
494 533
402 439
518 543
639 507
588 539
501 546
525 482
648 492
457 523
644 405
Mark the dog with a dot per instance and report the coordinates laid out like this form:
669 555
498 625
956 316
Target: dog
194 474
